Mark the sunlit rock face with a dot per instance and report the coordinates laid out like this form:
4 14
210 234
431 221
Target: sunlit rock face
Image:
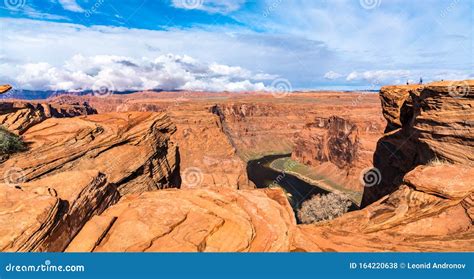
425 123
425 199
5 88
192 220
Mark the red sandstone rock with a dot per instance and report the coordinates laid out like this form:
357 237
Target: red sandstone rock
132 149
445 180
19 116
46 214
5 88
197 220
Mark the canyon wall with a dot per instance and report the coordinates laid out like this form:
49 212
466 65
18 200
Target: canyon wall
99 182
425 124
218 133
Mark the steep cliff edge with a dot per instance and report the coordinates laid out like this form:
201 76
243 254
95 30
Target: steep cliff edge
75 168
424 201
426 123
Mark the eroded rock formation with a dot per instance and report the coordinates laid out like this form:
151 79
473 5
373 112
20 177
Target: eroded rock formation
19 116
46 214
75 168
5 88
132 149
435 123
413 218
192 220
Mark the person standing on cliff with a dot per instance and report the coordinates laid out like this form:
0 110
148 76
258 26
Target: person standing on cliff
421 80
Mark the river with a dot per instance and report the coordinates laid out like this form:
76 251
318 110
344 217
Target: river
298 191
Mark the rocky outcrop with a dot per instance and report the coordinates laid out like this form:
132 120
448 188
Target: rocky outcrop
46 214
397 104
418 216
434 124
133 150
5 88
192 220
444 180
19 116
424 201
75 168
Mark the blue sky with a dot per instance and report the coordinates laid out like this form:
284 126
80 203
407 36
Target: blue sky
233 45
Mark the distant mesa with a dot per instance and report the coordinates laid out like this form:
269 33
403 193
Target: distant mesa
5 88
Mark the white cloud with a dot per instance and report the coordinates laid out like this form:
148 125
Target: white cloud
120 73
382 77
71 5
331 75
210 6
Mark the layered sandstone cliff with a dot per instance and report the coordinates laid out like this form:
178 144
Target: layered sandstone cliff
132 149
341 148
4 88
75 168
46 214
19 116
424 198
431 123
